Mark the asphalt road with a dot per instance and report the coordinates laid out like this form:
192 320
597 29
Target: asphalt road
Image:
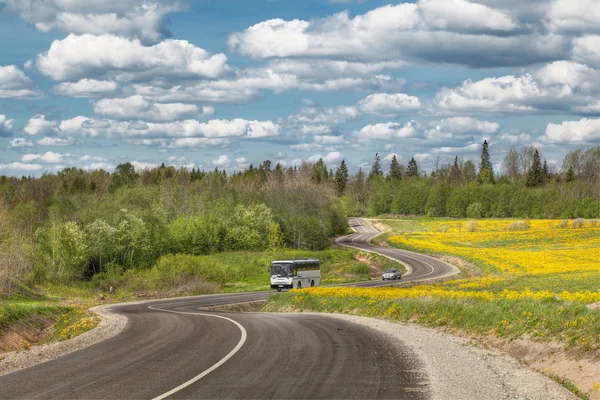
171 349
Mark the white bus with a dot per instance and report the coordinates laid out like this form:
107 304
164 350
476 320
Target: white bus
295 274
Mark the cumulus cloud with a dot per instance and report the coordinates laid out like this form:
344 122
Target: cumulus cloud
387 130
56 142
389 105
198 142
471 148
6 125
136 107
20 142
145 19
141 165
99 165
38 124
585 49
582 131
388 159
222 162
48 157
457 127
87 55
573 16
329 139
86 88
444 31
14 84
333 157
242 163
216 128
18 166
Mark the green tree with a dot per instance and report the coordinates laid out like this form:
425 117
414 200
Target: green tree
535 175
124 175
376 168
413 168
395 169
570 174
486 173
341 178
319 172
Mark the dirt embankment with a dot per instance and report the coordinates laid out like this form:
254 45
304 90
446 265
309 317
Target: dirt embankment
25 333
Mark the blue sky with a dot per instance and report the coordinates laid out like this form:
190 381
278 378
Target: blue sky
93 83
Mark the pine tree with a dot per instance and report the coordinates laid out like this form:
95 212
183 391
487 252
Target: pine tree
319 172
341 178
545 173
395 169
376 168
486 173
535 174
412 168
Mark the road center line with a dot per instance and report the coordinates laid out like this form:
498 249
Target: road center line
215 366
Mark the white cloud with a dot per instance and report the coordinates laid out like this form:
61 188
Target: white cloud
222 162
586 49
322 117
456 127
574 16
39 124
464 15
17 166
14 84
582 131
136 107
258 129
421 157
58 142
242 163
387 130
198 142
216 128
333 157
6 125
86 88
91 158
444 31
471 148
305 146
315 129
520 138
329 139
145 19
141 165
20 142
389 105
82 56
48 157
99 165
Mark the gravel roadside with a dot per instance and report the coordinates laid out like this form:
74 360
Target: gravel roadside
111 325
458 369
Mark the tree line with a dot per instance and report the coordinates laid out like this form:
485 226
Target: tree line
77 224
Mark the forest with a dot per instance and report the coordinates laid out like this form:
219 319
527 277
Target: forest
77 225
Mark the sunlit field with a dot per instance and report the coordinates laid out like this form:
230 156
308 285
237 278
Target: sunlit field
530 279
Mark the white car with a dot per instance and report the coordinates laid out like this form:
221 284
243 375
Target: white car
391 274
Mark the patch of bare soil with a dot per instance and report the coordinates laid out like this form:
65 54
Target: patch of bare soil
594 306
472 269
250 306
23 334
380 226
375 272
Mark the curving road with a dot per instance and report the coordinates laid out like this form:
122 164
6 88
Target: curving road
171 349
420 267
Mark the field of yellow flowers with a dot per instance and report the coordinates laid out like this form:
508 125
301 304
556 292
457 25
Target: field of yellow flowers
535 279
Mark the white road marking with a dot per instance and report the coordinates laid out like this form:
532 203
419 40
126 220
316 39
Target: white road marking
215 366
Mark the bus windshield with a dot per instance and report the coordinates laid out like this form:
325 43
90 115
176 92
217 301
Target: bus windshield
285 270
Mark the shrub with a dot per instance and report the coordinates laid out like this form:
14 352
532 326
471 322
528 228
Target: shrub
475 210
361 269
444 228
518 226
563 224
472 226
578 223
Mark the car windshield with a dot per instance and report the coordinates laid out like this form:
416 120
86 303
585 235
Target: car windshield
283 269
391 271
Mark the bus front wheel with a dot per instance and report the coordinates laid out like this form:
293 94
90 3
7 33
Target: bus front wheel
312 283
299 285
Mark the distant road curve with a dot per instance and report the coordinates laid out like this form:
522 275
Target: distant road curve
420 267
